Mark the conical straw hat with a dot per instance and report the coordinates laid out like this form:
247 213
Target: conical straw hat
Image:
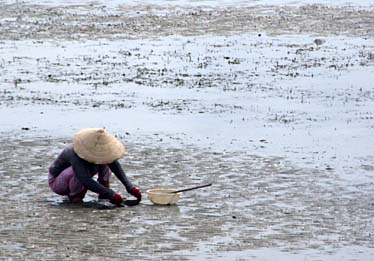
97 146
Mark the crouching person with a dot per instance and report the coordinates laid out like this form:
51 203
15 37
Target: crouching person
93 152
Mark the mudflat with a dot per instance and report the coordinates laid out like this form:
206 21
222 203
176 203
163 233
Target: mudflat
273 104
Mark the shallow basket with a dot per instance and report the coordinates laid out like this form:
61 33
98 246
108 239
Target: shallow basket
163 196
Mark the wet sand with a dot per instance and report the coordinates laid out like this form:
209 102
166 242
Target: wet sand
272 104
95 21
255 204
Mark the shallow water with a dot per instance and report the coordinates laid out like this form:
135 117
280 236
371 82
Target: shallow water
284 96
277 113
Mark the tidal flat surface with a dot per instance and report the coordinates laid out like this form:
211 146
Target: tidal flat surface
273 104
255 205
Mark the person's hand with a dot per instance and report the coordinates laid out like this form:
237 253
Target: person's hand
116 200
135 191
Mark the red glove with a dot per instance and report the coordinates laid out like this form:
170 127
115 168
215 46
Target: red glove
135 191
116 200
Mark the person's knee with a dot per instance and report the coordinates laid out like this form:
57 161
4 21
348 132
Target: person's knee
76 187
104 176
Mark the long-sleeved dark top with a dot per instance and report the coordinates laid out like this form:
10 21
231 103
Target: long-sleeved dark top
84 171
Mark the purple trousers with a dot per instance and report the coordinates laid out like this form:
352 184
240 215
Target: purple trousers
67 184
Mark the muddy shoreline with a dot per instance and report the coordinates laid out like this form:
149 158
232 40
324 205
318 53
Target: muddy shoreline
23 21
281 207
271 104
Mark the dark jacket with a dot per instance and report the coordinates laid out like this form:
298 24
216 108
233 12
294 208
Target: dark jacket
84 171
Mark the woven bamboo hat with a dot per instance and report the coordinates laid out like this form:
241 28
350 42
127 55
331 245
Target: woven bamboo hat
97 146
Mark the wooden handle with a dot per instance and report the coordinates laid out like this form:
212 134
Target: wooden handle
187 189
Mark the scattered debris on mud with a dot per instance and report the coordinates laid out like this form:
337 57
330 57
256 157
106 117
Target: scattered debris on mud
273 104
